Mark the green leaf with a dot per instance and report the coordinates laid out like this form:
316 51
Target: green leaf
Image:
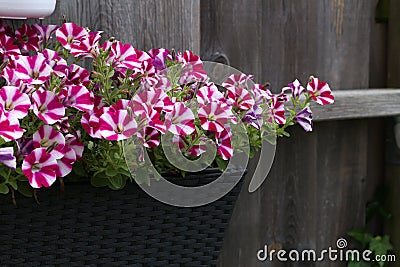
117 182
111 172
25 189
99 179
222 164
360 235
359 264
13 184
4 189
142 176
380 246
79 169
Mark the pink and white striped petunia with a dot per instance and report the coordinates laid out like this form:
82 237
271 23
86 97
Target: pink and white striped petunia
214 116
47 106
209 93
152 99
88 46
55 61
224 144
7 46
117 125
192 68
181 120
73 142
40 168
159 58
320 92
9 130
277 110
33 70
260 94
49 138
122 56
149 136
64 165
77 75
295 88
237 81
7 157
14 103
91 123
304 119
27 38
44 32
77 96
240 98
70 33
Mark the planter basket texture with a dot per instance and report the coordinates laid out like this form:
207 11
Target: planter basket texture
89 226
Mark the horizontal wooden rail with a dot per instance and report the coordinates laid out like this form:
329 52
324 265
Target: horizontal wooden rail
360 103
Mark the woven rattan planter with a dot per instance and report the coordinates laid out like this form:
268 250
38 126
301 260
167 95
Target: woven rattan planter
96 226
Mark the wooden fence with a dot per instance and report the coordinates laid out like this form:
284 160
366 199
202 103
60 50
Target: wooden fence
320 182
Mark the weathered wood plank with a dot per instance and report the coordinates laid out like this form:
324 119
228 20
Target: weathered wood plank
362 103
315 192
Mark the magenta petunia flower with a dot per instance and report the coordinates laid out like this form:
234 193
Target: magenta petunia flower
7 157
9 130
15 104
70 33
214 116
47 106
260 94
44 32
55 61
27 38
192 68
88 46
40 168
77 96
33 70
73 142
77 75
117 125
277 110
64 165
49 138
237 81
122 56
181 120
91 123
295 88
254 117
224 144
209 93
7 46
320 92
159 58
151 99
149 136
240 98
304 118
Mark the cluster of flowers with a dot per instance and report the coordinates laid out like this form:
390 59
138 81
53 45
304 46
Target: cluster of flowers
53 110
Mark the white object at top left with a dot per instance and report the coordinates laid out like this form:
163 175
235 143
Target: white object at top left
23 9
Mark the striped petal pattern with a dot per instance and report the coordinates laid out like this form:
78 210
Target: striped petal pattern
181 120
70 33
40 168
33 70
320 92
14 103
49 138
47 106
117 125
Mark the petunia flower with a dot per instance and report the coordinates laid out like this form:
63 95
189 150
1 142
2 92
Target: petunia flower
224 144
77 96
47 106
320 92
76 75
214 116
277 110
7 46
55 61
73 142
304 118
260 94
33 70
44 32
27 38
237 81
40 168
192 68
240 98
117 125
149 136
254 117
7 157
152 99
295 88
159 58
25 146
9 130
87 46
209 93
70 33
14 103
181 120
122 56
49 138
64 165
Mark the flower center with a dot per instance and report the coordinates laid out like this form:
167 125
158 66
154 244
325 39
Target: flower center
119 129
36 167
45 142
211 117
9 106
42 109
70 39
35 75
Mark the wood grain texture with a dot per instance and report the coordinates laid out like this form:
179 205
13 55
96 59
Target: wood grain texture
361 103
315 192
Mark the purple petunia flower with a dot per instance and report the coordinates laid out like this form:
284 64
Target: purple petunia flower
304 118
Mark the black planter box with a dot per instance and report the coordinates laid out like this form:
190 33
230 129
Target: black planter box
90 226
